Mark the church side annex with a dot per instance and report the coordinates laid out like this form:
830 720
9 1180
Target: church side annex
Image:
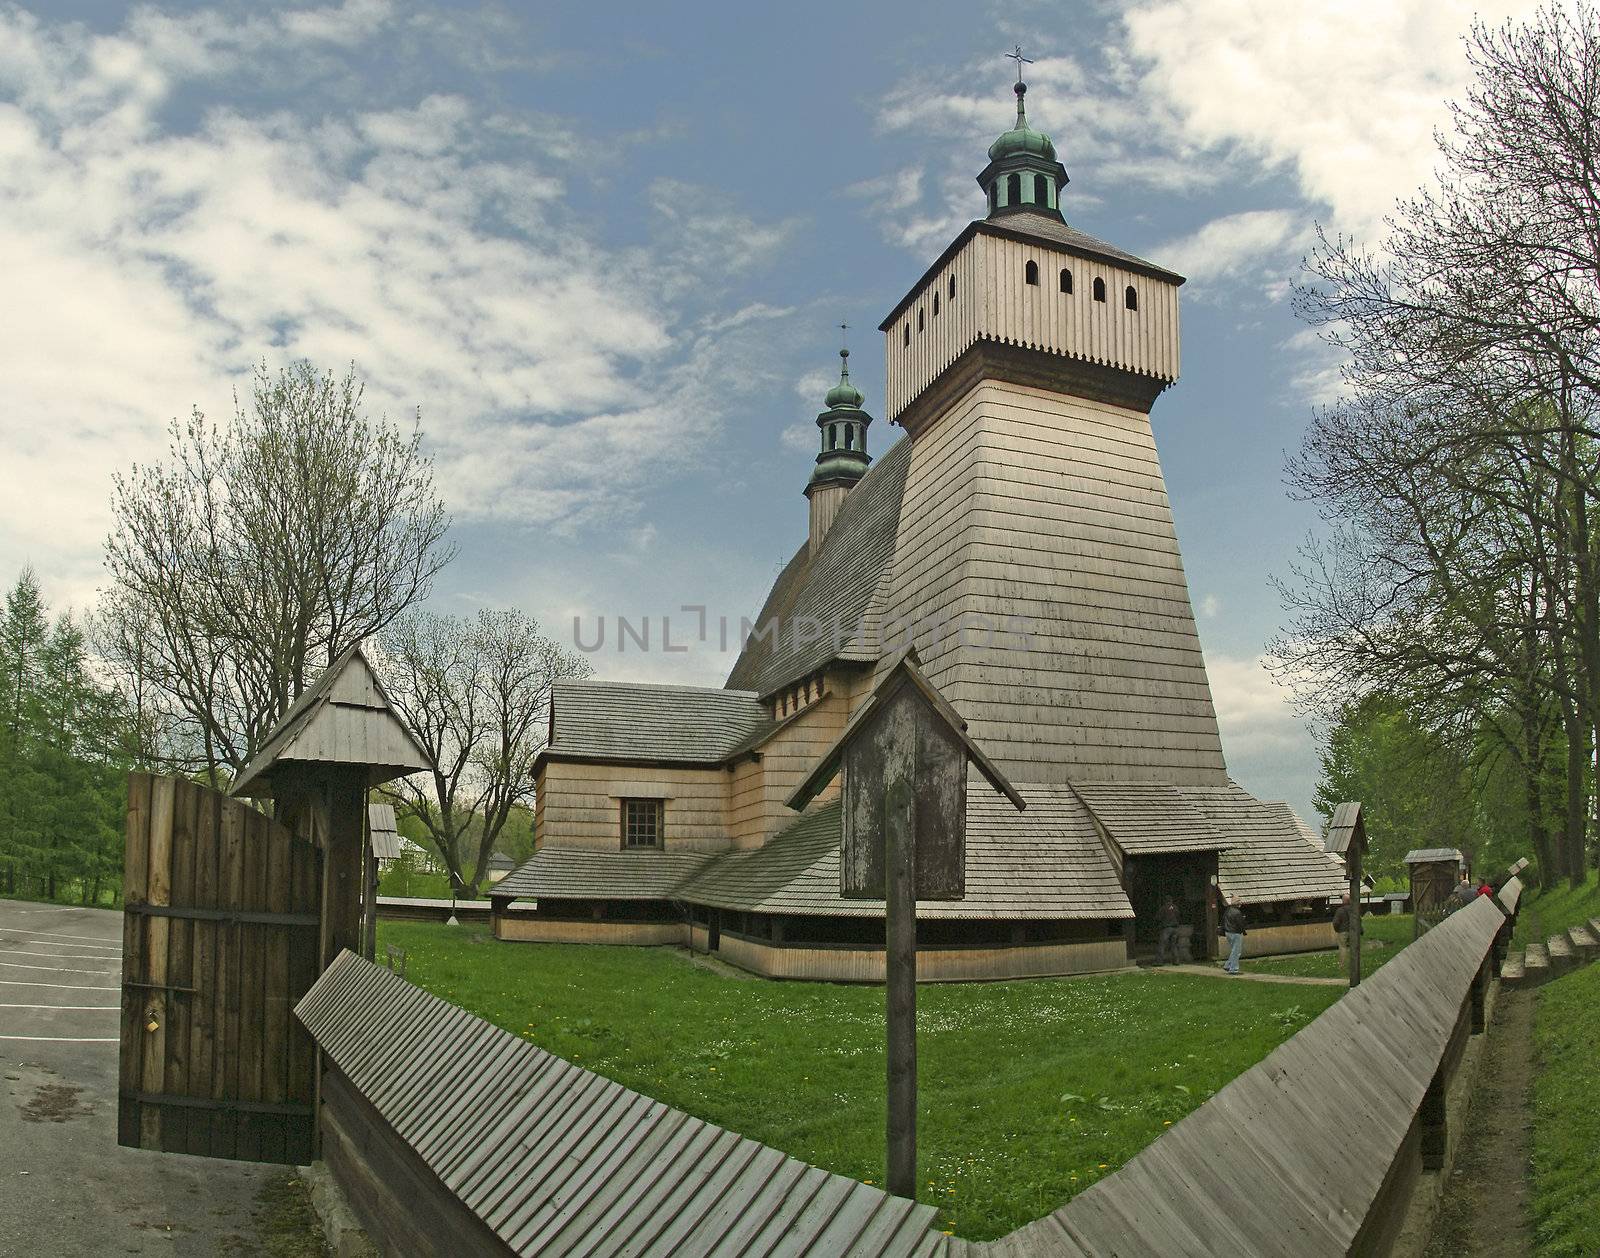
1020 537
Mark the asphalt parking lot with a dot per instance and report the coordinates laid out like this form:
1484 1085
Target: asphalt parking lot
66 1187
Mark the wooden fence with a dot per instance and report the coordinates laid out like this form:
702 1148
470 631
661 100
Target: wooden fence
219 943
452 1136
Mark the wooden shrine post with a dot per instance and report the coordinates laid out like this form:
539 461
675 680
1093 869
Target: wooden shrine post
904 757
340 738
1347 837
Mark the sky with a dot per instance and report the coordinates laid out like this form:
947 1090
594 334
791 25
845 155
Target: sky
603 250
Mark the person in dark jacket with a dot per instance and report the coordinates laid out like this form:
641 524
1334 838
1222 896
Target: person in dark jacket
1167 946
1233 928
1341 931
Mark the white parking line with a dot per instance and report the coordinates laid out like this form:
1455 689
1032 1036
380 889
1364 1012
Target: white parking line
65 1039
70 956
100 940
55 969
71 987
56 941
112 1008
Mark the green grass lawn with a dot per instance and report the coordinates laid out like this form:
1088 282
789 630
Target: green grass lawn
400 880
1543 913
1566 1116
1382 937
1030 1090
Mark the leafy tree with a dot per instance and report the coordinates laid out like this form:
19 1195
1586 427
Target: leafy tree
255 554
477 694
61 756
1415 791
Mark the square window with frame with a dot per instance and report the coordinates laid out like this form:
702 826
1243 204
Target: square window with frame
641 823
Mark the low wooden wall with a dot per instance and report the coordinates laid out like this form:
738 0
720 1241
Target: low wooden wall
393 908
527 928
1271 941
934 965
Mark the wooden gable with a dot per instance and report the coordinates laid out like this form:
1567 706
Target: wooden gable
344 718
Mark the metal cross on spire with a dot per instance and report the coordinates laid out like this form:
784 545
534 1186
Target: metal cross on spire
1016 55
844 340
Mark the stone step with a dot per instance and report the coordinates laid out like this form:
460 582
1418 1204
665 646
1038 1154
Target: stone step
1536 961
1584 941
1511 969
1561 955
1594 927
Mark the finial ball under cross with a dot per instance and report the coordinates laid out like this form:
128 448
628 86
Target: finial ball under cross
844 347
1016 55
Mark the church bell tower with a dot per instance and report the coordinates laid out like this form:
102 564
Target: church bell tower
843 459
1036 566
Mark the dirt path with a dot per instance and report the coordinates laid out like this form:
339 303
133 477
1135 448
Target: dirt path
1485 1207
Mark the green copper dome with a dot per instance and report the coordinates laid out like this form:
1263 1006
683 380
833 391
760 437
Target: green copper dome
844 393
1022 139
843 458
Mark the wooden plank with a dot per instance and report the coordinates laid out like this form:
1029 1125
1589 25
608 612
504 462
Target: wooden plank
306 896
135 883
202 1024
176 1121
252 995
228 975
158 890
278 998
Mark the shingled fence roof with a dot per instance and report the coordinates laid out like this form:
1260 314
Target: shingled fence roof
556 1160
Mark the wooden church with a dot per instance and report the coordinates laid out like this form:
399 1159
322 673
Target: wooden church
1019 538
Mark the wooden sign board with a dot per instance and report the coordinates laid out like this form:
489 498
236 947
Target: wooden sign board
905 741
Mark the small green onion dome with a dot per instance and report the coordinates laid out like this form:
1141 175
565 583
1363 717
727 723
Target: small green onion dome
844 393
1022 138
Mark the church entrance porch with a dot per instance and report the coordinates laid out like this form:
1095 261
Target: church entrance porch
1188 878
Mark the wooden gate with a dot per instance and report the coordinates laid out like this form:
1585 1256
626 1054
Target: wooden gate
220 940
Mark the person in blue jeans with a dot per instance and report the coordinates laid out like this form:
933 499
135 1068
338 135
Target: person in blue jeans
1233 928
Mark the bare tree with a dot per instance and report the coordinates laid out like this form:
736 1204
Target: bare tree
261 549
477 693
1462 478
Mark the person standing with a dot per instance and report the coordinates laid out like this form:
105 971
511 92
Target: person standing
1465 893
1167 946
1341 931
1233 928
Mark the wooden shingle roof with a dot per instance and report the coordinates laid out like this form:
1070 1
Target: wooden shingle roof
1150 818
820 601
344 717
1045 862
623 722
385 836
1430 855
582 873
1271 857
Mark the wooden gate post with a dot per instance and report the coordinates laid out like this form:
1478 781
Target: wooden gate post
904 757
900 983
1347 839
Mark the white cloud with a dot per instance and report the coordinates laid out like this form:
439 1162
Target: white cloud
1232 245
147 267
1269 749
1346 96
800 437
1210 605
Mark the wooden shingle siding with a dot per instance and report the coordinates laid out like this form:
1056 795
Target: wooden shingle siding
555 1160
1036 512
579 804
